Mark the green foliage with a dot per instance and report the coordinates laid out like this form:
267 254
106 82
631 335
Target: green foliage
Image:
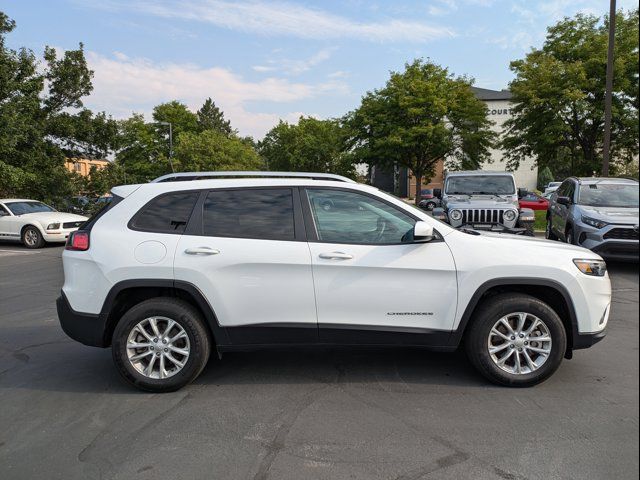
559 97
213 150
544 177
422 115
210 117
311 145
40 126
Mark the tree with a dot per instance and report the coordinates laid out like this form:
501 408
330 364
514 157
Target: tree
421 116
210 117
559 97
545 176
211 150
310 146
42 120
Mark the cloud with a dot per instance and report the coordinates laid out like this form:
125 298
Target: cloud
282 18
295 67
123 85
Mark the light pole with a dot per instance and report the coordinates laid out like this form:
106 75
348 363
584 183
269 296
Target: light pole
606 151
170 143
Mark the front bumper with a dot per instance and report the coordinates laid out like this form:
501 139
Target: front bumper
618 250
608 248
85 328
58 235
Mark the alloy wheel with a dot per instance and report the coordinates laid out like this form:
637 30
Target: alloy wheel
158 347
519 343
30 237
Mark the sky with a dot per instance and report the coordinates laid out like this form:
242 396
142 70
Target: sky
262 61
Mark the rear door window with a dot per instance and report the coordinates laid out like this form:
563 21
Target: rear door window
251 213
168 213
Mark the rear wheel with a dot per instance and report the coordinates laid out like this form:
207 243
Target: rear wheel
32 238
516 340
161 345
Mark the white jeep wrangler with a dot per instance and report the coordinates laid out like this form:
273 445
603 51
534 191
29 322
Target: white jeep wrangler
191 263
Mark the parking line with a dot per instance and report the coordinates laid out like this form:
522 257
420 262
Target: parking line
7 253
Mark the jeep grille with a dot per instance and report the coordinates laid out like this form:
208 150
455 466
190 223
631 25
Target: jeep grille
482 216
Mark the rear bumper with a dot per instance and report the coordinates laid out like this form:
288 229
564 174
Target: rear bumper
85 328
586 340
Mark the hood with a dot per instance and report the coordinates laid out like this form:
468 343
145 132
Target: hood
480 201
45 218
612 214
523 242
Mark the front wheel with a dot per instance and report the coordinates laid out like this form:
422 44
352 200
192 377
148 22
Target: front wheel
548 233
516 340
32 238
160 345
569 236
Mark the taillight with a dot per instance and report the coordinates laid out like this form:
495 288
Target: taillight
78 240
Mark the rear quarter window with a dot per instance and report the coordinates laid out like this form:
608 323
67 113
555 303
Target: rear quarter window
167 213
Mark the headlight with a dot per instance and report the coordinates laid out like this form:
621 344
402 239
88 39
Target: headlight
53 226
510 215
455 215
595 268
594 222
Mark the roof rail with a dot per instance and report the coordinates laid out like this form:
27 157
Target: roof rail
186 176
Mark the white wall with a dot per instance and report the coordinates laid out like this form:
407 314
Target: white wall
527 174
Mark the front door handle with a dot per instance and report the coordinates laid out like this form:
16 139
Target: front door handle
336 256
201 251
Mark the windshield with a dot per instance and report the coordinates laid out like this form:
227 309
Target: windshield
480 185
609 195
22 208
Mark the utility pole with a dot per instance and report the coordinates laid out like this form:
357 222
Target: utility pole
606 151
170 143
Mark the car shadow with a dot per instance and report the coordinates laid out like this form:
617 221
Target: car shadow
66 366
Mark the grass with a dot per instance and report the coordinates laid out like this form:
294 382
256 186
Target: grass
541 220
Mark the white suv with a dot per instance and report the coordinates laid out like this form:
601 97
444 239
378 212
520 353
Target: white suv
193 262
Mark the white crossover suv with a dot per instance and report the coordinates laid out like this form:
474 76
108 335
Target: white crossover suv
35 223
191 263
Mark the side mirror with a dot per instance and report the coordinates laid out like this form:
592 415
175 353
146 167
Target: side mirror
437 192
422 232
522 192
566 201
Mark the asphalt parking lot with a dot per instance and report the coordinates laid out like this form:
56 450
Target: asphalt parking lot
334 414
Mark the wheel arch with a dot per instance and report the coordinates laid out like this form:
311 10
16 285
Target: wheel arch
32 224
124 295
548 291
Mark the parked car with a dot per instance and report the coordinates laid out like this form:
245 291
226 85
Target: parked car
35 223
484 200
597 213
173 270
430 203
533 201
551 187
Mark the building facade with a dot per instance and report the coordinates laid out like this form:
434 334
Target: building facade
82 166
499 107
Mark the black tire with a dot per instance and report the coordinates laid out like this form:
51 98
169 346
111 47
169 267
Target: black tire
188 318
430 206
32 238
486 316
568 236
548 234
529 231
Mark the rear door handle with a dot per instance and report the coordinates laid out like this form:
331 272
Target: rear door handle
336 256
201 251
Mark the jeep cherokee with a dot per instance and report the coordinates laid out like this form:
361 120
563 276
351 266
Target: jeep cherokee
192 263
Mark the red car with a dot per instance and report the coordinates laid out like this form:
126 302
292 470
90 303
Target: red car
534 202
